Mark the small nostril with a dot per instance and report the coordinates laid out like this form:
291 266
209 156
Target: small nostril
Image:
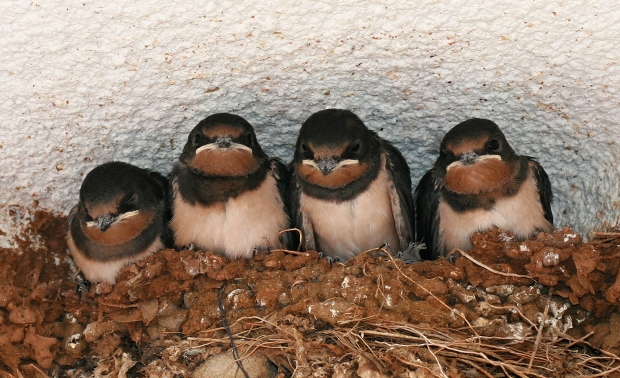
469 158
224 142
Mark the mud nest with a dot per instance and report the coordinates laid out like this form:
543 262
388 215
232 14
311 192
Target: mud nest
545 307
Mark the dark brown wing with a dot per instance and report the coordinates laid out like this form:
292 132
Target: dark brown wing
427 216
400 194
281 175
297 218
544 188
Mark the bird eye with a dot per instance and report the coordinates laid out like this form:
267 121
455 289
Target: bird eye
197 138
131 199
304 147
355 147
493 145
250 140
128 203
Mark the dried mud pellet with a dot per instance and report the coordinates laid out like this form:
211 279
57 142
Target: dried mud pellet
267 292
174 321
613 292
482 295
149 310
614 323
485 327
523 295
41 346
212 262
102 288
292 262
106 346
501 290
95 330
576 286
74 345
600 331
334 310
191 264
228 272
358 290
463 295
392 293
425 287
23 315
548 279
69 326
513 253
17 335
126 315
531 312
153 268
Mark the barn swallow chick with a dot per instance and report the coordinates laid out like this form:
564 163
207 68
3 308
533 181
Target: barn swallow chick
120 219
350 189
228 195
477 182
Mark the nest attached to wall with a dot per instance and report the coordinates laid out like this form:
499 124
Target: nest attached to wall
540 308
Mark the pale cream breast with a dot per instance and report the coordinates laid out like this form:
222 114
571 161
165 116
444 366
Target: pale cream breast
344 229
234 227
521 214
106 271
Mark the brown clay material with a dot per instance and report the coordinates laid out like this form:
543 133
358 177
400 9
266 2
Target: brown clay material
163 312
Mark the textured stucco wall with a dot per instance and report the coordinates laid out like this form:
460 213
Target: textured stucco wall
86 82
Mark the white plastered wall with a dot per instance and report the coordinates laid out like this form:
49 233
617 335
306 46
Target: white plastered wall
87 82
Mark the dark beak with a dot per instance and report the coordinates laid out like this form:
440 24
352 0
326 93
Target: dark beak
103 222
224 142
469 158
326 166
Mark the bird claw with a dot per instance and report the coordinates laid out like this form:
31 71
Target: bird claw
330 260
383 250
83 285
452 256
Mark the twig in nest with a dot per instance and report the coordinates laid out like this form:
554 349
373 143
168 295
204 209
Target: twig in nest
301 236
540 330
604 235
581 340
220 304
296 253
491 269
476 367
431 294
513 308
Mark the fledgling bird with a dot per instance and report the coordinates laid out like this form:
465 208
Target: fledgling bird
121 217
350 189
479 181
228 195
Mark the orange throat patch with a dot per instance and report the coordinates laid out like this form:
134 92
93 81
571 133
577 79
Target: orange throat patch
226 163
122 230
483 176
338 178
